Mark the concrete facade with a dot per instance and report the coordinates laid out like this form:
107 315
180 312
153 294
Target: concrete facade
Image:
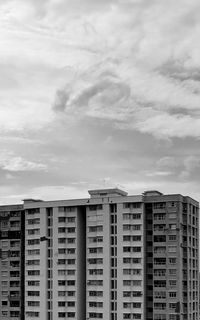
112 256
12 262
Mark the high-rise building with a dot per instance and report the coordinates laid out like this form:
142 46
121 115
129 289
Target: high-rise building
112 256
171 262
11 262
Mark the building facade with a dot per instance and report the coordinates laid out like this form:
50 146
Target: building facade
172 264
12 262
112 256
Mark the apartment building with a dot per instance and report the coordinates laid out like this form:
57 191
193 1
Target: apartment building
112 256
172 264
12 262
54 260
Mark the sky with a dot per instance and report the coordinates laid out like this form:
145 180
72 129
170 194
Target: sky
99 94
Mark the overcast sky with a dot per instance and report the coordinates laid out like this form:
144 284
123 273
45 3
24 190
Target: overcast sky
98 94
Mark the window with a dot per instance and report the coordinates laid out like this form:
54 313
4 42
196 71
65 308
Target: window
95 228
33 211
132 238
71 272
70 293
160 238
71 230
95 239
160 294
4 313
159 227
61 219
159 249
4 243
131 216
34 252
33 231
61 230
32 314
33 303
159 306
159 317
96 250
172 283
172 237
34 221
71 261
131 260
71 219
172 226
132 282
158 261
95 207
172 260
62 251
33 293
33 241
33 262
61 240
95 282
172 294
71 250
71 240
96 293
61 303
34 283
172 316
71 314
93 315
159 216
131 227
133 205
128 294
172 305
33 272
95 261
159 205
66 209
71 282
160 272
96 271
132 271
61 282
95 304
61 261
160 283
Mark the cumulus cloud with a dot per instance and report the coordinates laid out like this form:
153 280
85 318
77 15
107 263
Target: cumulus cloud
11 162
150 53
180 166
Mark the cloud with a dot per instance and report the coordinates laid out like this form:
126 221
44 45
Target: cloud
191 165
150 57
10 162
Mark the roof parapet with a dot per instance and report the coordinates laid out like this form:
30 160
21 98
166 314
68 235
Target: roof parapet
29 200
99 193
152 193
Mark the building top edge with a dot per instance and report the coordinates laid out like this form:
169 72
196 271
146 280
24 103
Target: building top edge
107 192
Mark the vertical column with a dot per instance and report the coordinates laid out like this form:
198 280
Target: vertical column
81 263
113 261
49 271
